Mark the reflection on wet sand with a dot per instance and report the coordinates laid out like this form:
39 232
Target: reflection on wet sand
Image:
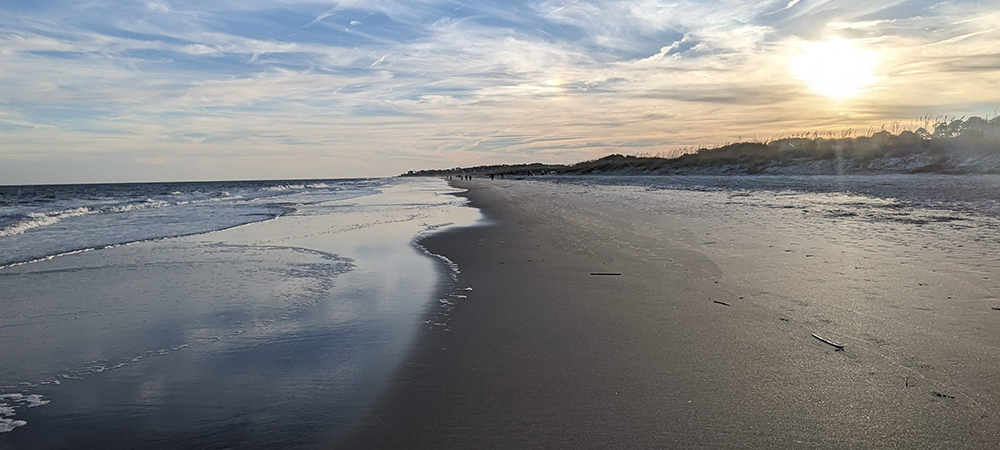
278 333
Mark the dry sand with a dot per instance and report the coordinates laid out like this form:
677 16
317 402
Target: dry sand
545 354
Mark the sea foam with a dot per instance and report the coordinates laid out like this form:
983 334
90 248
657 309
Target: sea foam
8 405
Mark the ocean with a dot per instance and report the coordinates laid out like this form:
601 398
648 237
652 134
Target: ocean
39 222
256 314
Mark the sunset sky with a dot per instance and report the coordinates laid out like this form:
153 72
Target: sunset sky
239 89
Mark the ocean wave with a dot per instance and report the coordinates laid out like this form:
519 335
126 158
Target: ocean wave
145 204
289 187
32 231
283 187
28 221
40 219
284 210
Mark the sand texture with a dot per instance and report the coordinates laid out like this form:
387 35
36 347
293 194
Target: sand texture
721 331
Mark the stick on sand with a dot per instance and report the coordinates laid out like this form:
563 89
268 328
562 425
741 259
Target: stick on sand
839 347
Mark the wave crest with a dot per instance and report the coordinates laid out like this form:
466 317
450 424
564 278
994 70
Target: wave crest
24 222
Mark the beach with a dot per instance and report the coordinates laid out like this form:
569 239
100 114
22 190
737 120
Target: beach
278 332
518 224
623 316
547 312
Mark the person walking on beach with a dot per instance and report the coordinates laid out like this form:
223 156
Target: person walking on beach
491 177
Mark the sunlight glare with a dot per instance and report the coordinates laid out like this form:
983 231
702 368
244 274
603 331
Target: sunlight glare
835 68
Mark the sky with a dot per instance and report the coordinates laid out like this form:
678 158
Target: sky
103 91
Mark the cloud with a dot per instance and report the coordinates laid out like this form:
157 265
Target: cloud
378 61
158 7
329 13
436 83
199 49
562 8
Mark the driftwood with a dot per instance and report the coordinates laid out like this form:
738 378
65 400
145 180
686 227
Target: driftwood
605 273
838 347
721 303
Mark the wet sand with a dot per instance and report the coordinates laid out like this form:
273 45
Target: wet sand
705 339
276 334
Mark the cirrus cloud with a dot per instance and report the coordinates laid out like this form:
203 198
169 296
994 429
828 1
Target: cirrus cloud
319 88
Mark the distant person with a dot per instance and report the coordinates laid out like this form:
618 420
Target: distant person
491 177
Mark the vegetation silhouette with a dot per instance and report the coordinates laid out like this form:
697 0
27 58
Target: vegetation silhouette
960 145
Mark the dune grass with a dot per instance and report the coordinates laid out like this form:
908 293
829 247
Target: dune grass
940 146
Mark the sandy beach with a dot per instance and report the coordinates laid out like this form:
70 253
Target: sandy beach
626 317
274 334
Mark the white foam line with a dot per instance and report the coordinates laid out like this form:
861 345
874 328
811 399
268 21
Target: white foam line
451 264
43 219
439 314
46 258
123 244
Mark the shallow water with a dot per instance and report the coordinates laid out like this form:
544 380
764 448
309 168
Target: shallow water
273 334
41 221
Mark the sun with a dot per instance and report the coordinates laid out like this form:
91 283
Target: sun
835 68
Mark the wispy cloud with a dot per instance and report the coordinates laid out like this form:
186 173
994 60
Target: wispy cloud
300 88
562 8
378 61
158 7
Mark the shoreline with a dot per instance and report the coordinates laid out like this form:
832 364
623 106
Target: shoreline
685 347
195 341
